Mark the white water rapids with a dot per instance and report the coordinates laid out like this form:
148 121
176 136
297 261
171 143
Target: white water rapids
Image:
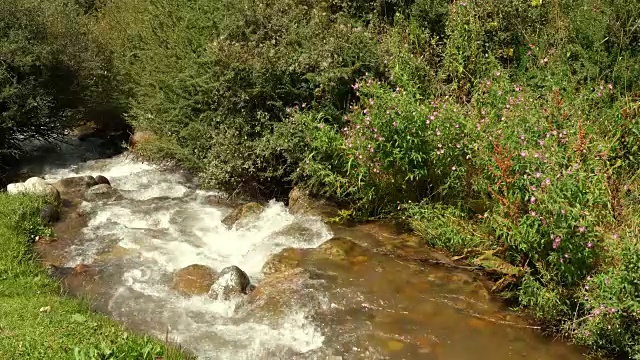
164 224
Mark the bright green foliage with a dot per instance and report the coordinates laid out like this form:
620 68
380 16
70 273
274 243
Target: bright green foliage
64 328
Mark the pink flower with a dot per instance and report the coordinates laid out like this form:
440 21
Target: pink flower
615 236
395 124
523 153
589 245
556 242
532 200
582 229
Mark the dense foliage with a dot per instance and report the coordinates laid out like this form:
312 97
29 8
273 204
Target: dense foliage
53 73
492 127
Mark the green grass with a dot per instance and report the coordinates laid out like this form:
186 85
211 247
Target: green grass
69 330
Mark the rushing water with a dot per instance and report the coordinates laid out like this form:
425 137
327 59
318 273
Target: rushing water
350 303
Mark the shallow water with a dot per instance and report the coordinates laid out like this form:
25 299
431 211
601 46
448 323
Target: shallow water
342 302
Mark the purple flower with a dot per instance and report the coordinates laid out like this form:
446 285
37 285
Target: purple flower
556 242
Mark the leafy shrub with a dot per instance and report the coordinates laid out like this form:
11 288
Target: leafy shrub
234 74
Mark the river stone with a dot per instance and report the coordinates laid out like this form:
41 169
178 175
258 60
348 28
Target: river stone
231 281
287 259
49 214
35 186
302 203
101 192
194 279
339 248
102 180
75 184
241 215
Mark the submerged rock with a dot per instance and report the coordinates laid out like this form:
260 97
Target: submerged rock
35 186
49 214
339 248
241 215
301 202
194 279
231 281
287 259
101 192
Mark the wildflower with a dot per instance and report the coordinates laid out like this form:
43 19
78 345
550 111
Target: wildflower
522 137
395 124
453 168
523 153
438 132
534 188
556 242
589 245
371 101
497 73
615 236
563 211
538 174
532 200
582 229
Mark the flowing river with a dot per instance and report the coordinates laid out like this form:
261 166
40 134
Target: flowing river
342 300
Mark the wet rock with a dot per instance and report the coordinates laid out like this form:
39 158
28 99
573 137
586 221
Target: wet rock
75 184
285 260
294 230
82 269
339 248
35 186
101 192
278 294
243 214
301 202
49 214
194 279
231 281
102 180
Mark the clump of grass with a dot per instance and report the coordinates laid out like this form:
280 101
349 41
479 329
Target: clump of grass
36 320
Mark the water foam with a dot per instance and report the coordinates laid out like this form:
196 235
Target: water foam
166 225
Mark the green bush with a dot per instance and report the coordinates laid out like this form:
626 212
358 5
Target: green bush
233 75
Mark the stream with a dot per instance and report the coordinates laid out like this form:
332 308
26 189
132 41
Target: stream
345 299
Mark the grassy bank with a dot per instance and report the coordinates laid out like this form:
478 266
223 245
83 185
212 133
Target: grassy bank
36 320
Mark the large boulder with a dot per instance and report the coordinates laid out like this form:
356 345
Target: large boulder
35 186
194 279
101 192
75 184
243 214
231 282
301 202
